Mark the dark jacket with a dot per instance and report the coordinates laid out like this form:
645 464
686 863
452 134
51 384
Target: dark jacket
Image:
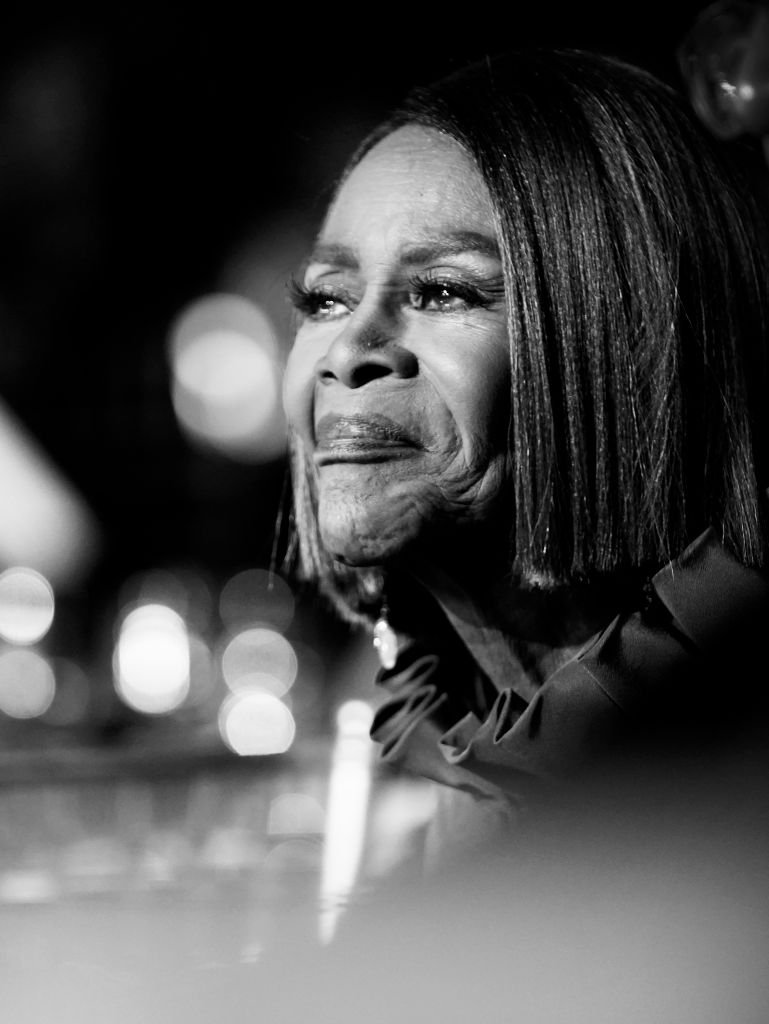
669 684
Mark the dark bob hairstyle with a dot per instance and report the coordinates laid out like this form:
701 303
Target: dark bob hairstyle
636 266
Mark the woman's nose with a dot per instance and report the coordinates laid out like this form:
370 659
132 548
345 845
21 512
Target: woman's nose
365 350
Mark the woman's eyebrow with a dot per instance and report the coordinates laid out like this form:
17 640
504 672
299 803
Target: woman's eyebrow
333 252
454 244
425 250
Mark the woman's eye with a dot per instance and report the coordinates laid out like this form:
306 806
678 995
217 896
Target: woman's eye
445 297
319 303
324 306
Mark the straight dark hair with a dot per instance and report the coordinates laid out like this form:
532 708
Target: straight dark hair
636 265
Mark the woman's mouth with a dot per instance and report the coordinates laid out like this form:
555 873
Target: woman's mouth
361 438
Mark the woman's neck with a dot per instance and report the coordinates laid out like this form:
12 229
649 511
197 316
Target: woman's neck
540 627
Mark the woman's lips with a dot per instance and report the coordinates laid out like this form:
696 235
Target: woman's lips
361 438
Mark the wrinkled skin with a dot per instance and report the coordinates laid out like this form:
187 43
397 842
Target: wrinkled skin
399 379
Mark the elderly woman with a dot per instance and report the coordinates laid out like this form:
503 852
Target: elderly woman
528 401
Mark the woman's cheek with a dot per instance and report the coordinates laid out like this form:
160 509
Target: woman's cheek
477 391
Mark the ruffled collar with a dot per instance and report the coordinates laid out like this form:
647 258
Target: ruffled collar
654 675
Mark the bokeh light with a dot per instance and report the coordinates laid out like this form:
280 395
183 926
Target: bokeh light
253 723
256 597
346 812
259 659
152 659
353 719
26 605
226 377
27 683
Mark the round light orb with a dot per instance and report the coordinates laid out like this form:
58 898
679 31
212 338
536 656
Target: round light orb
253 723
151 662
254 657
27 683
26 605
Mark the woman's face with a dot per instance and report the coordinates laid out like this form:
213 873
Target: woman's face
399 379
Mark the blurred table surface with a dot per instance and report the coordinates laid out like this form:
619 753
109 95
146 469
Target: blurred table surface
182 884
114 862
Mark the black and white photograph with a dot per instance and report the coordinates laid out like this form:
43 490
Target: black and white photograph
384 514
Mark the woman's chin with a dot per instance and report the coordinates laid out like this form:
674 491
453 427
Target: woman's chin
363 551
369 540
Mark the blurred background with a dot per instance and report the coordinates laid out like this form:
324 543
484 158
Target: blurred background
173 712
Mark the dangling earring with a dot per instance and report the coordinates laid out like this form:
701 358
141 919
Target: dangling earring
385 640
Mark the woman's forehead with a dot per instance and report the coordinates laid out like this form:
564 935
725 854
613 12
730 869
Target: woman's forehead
413 187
